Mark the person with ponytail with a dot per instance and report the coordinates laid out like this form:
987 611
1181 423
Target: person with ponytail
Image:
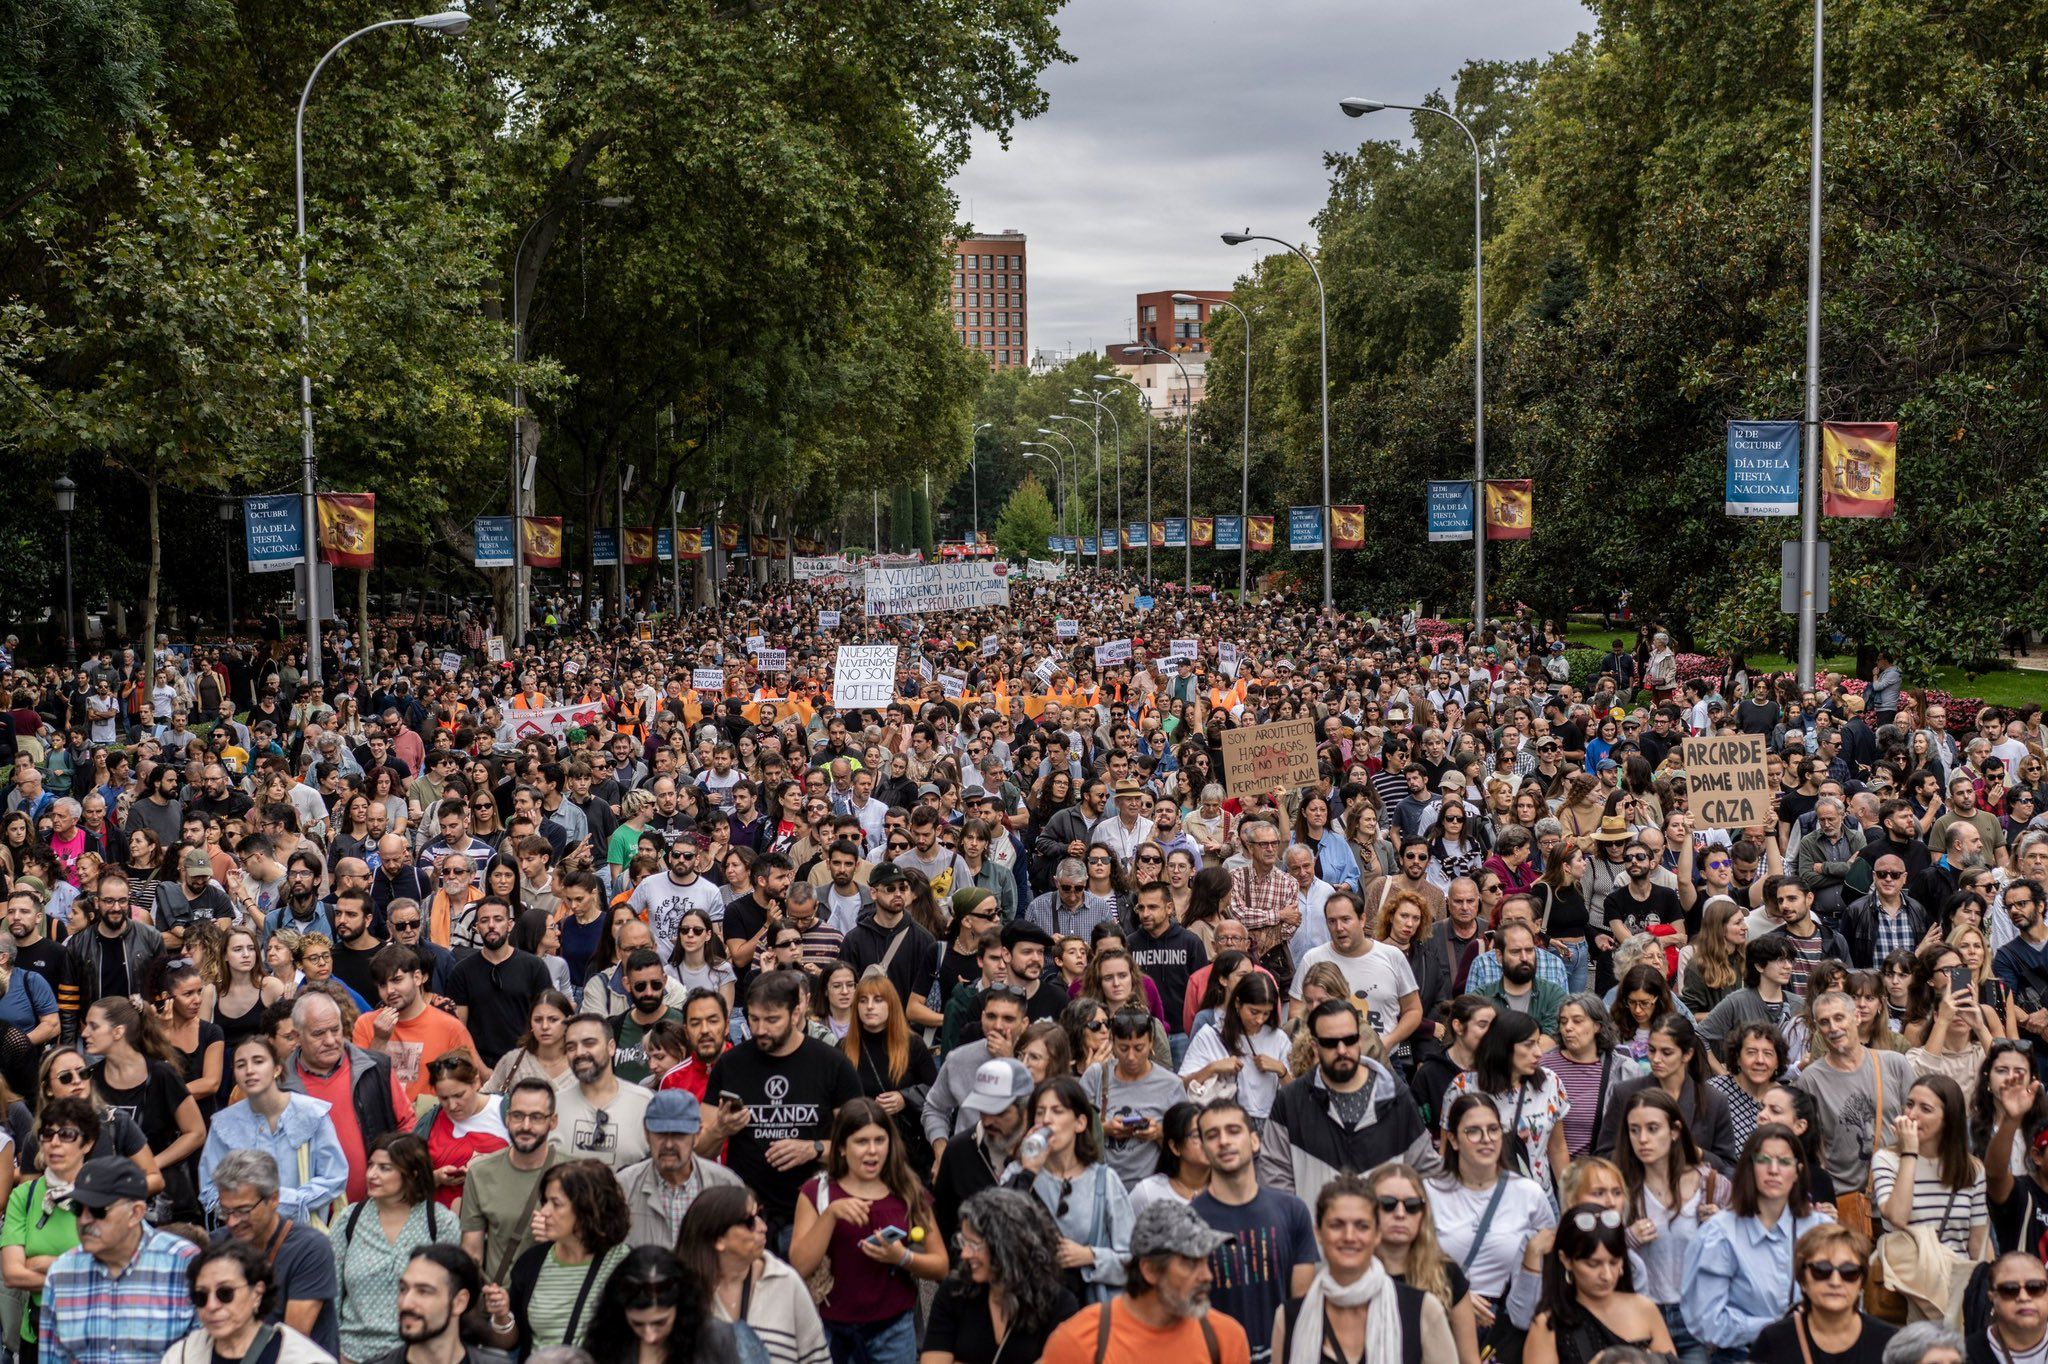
1354 1309
141 1072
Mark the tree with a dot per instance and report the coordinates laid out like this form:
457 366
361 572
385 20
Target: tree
1025 522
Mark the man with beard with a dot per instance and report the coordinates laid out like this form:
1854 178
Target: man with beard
1001 1009
1962 809
1519 989
1163 1313
439 1286
1169 953
109 960
499 1191
1043 997
776 1101
2022 964
660 1189
663 898
1272 1254
494 988
159 810
999 1100
354 944
36 953
647 982
1380 977
706 1025
1349 1113
1793 906
300 909
1898 833
1848 1080
888 937
748 919
600 1115
1939 880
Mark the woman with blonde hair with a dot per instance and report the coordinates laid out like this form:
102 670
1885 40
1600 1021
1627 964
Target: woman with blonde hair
1410 1253
2001 1015
1710 966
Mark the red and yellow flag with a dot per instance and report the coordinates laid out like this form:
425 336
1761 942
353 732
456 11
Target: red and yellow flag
1347 527
1510 508
540 541
690 542
348 529
1259 533
639 545
1205 532
1157 534
728 536
1859 468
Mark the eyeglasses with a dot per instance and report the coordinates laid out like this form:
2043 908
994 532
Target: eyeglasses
1066 1188
404 925
236 1214
1149 857
70 1134
1606 1217
67 1077
224 1294
1848 1271
1891 876
2012 1292
1412 1206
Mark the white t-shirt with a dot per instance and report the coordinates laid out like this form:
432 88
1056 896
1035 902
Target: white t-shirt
1380 978
1524 1210
718 789
842 911
1256 1089
662 901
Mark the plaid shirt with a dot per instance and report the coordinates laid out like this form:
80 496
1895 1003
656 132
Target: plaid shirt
1894 931
1258 901
92 1315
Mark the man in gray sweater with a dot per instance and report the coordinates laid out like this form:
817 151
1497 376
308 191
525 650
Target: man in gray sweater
1002 1022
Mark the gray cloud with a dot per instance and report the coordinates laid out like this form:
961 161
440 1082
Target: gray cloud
1180 119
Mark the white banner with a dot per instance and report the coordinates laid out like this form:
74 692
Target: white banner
494 648
952 686
551 721
828 620
937 587
451 662
1185 648
1067 629
1226 660
864 676
756 643
810 566
1116 651
773 660
991 645
1040 568
707 679
1042 674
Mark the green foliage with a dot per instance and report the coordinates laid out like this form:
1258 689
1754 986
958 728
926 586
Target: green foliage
921 521
1026 521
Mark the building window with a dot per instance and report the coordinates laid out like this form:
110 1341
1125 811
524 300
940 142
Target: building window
1187 312
1150 313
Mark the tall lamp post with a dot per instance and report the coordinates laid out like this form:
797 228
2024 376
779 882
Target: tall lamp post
1059 490
1187 428
1074 464
521 483
1358 108
227 557
1323 316
1081 399
1096 432
1244 496
67 502
1144 409
453 23
619 547
974 474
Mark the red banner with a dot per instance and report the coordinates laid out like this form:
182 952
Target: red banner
1347 527
540 541
1205 532
1259 533
348 529
1510 508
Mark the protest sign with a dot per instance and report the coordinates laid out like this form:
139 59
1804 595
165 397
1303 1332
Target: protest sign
494 648
707 679
451 662
1043 673
864 675
1728 783
551 722
990 646
773 660
957 586
1066 629
828 620
1226 660
1184 648
952 686
1116 651
1258 757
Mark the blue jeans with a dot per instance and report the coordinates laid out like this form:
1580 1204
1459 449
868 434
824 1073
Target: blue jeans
1177 1043
877 1342
1575 964
1688 1350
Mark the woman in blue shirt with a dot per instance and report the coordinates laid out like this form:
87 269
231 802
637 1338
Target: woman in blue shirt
294 1129
1335 862
1738 1271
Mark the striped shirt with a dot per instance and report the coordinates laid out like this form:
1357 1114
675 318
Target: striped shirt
1953 1212
92 1315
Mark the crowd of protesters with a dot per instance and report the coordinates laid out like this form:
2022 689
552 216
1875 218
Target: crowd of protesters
437 1009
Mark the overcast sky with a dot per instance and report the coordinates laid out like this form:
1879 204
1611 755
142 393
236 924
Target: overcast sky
1181 119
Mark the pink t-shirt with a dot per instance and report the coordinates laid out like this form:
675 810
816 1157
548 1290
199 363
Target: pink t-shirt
67 852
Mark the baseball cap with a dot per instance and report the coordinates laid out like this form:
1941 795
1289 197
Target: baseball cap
195 863
999 1083
928 790
1173 1228
108 1180
1607 765
887 874
674 1111
973 794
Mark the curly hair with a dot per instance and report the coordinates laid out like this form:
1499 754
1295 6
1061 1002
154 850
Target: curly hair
1020 1239
593 1195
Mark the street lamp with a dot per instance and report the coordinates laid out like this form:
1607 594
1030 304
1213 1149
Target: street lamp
453 23
1096 432
227 559
1059 489
974 475
1074 463
1082 399
67 502
1323 313
1359 108
521 478
1244 497
1144 408
1187 427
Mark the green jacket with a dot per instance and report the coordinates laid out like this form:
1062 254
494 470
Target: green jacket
1543 1005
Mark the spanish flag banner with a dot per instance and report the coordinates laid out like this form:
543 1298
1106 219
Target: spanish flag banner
348 529
728 536
690 542
1261 532
540 541
1158 534
639 545
770 547
1347 527
1205 532
1510 508
1859 468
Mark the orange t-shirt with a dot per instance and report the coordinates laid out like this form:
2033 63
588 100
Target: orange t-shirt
1133 1342
415 1043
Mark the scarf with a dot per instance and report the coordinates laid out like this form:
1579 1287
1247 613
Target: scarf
1374 1291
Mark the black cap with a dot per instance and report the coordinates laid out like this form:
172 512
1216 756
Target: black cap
108 1180
887 874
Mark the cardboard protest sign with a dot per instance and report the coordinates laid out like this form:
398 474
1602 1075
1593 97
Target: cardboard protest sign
1728 784
707 679
1257 757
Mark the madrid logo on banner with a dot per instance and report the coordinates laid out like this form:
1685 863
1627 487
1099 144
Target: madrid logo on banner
1176 528
1230 532
494 546
1304 528
1450 510
1260 531
1859 468
1347 527
1510 508
275 531
1763 469
348 529
540 541
1205 532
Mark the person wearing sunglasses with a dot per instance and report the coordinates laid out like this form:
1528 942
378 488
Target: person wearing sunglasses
1831 1263
724 1242
38 1227
2019 1311
122 1297
1588 1304
229 1282
1738 1272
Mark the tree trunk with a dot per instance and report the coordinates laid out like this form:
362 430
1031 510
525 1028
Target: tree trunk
147 652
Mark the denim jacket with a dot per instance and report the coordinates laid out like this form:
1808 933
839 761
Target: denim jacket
303 1126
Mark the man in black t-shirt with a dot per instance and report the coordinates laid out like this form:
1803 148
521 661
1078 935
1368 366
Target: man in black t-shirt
1168 954
35 952
494 988
785 1088
1638 901
354 943
888 937
747 919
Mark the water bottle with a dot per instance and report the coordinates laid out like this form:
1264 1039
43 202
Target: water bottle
1034 1147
